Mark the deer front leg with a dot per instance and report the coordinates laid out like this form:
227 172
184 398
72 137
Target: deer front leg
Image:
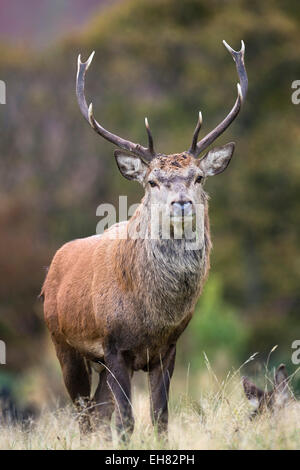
118 381
159 381
103 405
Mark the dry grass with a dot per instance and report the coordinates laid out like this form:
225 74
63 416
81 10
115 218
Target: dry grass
217 420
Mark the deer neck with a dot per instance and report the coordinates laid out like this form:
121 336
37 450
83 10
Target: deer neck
166 276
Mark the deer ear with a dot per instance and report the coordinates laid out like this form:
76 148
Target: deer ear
281 375
252 392
216 160
133 168
281 379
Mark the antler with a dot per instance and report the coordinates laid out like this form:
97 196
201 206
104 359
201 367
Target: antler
146 154
238 57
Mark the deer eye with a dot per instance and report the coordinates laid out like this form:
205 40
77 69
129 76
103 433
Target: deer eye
152 183
198 179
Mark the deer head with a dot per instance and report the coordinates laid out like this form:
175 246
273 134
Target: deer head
173 181
274 399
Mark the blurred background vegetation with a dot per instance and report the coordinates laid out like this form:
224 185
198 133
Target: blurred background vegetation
163 59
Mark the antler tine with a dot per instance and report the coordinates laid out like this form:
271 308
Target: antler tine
193 147
238 57
146 154
82 67
150 138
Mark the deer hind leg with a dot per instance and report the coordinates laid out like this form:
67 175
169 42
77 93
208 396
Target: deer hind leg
103 405
159 383
77 379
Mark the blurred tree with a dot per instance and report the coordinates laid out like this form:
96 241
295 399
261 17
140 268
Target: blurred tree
163 59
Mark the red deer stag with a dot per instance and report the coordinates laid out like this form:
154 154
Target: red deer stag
119 303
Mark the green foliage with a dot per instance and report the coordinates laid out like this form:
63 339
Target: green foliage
216 327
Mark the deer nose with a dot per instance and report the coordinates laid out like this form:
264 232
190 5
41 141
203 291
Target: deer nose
181 208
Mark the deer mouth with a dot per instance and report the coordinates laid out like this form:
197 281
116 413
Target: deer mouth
179 219
183 225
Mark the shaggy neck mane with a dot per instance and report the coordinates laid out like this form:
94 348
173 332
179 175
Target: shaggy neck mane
166 277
